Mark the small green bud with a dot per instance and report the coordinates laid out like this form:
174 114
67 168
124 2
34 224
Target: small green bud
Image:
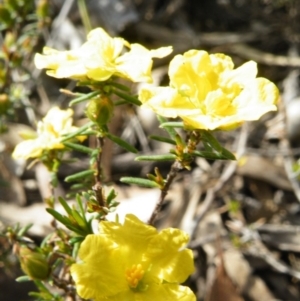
5 16
34 264
10 40
100 110
13 4
42 9
4 103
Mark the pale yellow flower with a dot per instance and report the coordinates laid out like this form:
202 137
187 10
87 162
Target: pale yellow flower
133 262
100 58
208 93
50 131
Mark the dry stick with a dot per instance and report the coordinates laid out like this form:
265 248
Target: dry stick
262 57
226 175
288 161
262 252
175 168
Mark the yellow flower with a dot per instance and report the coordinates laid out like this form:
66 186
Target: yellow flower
50 131
133 262
208 93
100 58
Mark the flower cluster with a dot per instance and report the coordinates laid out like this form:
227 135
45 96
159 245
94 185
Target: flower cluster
206 92
100 58
133 262
49 133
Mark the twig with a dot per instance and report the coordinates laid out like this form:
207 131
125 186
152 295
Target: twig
263 252
249 52
184 159
97 188
175 168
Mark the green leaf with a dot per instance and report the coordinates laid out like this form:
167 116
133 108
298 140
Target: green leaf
140 182
162 139
24 229
212 145
172 124
128 98
76 239
214 155
121 143
169 130
79 147
210 141
120 102
167 157
75 249
80 175
207 155
24 278
79 202
65 205
84 97
79 219
78 186
63 219
111 196
119 86
78 132
227 154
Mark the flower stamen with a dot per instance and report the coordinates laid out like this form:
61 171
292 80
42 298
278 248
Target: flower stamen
134 275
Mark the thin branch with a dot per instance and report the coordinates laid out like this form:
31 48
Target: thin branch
98 177
175 168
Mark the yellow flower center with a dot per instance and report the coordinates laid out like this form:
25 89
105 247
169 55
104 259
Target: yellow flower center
134 275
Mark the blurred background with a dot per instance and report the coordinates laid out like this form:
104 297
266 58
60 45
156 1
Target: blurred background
243 217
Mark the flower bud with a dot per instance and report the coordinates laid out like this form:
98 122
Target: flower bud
100 110
34 264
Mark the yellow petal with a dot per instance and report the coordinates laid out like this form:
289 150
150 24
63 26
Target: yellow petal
242 75
186 70
221 63
60 119
166 101
161 52
101 39
111 261
101 270
60 64
207 93
50 131
168 257
134 235
257 99
136 64
27 149
168 292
